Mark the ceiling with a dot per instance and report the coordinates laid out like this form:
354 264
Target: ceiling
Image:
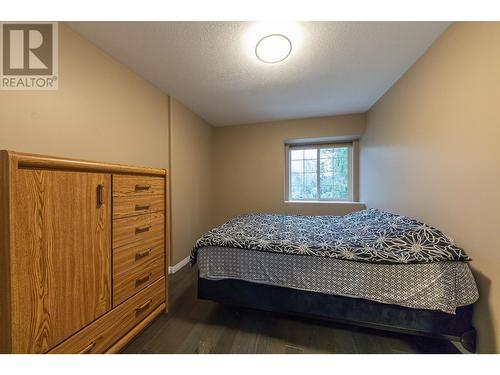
334 68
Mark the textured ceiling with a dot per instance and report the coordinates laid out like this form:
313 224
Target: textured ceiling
334 67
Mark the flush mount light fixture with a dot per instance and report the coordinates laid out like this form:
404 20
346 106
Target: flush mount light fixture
273 48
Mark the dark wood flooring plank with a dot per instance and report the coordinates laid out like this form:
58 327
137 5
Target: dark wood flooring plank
246 339
206 332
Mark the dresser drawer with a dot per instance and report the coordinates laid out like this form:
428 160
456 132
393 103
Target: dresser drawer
105 331
136 205
138 228
133 186
128 258
127 284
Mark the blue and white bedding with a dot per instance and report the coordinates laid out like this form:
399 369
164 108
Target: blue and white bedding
440 286
371 235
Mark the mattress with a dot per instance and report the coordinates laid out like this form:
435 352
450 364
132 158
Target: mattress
443 285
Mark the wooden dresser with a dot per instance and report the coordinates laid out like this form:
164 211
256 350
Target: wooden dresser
83 253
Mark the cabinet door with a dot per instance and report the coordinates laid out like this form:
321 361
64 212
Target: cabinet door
61 255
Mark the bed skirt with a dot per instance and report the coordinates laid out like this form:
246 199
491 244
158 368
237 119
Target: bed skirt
457 328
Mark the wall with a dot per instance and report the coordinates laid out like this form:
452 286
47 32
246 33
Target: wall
102 111
191 173
431 151
250 165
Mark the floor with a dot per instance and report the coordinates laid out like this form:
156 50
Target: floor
196 326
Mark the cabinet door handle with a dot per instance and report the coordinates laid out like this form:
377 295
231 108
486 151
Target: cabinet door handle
144 306
139 207
88 348
142 254
100 195
142 280
143 229
139 187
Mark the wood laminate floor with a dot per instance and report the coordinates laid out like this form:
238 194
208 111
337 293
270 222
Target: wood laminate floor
197 326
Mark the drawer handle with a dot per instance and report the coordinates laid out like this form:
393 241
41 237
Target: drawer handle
142 254
142 280
139 207
142 187
143 307
88 348
100 195
143 229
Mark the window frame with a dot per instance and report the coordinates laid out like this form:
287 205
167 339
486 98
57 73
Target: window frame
318 147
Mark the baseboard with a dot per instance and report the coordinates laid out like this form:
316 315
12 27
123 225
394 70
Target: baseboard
178 266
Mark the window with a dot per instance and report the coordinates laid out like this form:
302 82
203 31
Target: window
320 172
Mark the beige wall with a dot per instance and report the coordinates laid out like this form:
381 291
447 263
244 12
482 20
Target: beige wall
249 165
105 112
102 111
191 173
432 151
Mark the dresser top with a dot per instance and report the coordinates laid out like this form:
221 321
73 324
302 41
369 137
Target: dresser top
33 161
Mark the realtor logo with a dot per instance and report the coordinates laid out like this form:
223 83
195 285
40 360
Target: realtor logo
29 58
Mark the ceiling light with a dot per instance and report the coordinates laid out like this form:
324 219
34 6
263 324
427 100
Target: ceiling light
273 48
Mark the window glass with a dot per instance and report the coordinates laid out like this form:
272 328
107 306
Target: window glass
320 173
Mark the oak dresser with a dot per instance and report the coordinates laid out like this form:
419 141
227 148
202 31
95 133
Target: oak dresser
83 253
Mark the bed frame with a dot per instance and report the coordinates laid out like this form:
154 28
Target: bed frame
456 328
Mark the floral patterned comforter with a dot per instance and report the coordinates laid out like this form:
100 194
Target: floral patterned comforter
370 235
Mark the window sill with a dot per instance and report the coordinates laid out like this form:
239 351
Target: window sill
328 202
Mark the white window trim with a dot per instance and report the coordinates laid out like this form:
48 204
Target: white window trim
289 148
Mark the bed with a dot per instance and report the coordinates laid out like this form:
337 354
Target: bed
371 268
